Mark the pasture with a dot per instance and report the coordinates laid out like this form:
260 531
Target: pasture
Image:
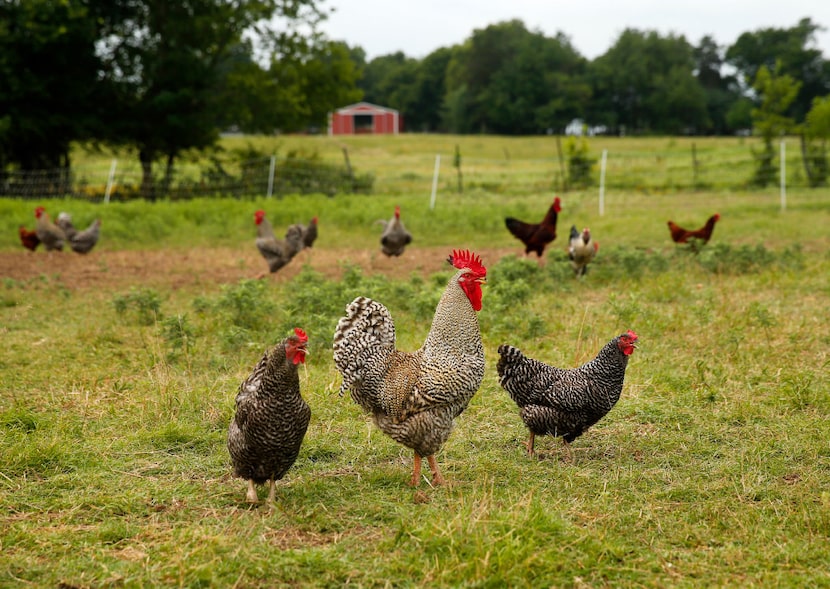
120 368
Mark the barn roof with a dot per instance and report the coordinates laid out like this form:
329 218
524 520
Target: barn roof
365 108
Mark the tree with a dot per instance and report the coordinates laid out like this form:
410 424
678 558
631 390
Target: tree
49 95
793 51
645 84
722 91
776 92
814 135
506 79
165 61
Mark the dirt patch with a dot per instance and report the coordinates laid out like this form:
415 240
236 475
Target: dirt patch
107 270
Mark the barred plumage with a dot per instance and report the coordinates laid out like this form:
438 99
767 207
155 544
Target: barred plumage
271 417
415 396
559 402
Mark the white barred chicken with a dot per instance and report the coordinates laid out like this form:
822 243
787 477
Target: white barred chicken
415 396
560 402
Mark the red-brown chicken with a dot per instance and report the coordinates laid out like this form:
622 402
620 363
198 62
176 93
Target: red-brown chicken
536 236
28 238
704 234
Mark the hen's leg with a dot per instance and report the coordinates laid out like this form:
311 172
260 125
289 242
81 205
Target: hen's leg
416 471
272 492
567 446
251 495
437 479
530 444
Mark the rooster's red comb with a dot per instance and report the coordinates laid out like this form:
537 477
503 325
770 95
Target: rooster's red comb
467 259
301 334
631 335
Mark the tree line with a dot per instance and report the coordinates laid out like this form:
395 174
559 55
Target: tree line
161 78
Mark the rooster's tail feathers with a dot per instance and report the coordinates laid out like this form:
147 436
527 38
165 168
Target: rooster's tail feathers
367 326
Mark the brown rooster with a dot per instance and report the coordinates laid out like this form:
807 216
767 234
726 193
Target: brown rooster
395 237
276 252
559 402
581 250
271 417
49 234
28 238
536 236
415 396
704 234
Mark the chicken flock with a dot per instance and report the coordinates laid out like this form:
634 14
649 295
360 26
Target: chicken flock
412 397
54 235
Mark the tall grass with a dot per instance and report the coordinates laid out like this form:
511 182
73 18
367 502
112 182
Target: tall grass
712 470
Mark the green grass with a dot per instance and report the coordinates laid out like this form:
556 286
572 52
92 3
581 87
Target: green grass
712 470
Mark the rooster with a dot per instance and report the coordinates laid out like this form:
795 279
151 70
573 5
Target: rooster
415 396
28 238
82 242
704 234
49 234
536 236
271 417
395 237
560 402
581 250
276 252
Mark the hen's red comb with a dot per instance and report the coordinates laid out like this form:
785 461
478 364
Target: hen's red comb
467 259
301 334
632 335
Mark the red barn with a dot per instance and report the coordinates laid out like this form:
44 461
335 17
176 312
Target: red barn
364 117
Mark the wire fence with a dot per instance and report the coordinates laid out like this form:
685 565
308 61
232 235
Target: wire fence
666 171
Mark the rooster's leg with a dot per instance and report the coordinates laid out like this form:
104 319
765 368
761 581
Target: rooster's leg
530 444
416 471
437 479
251 495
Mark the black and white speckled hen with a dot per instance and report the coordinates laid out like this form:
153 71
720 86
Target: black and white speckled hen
415 396
560 402
271 417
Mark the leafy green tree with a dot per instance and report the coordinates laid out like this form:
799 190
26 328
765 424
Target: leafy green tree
776 92
645 84
793 50
814 136
165 60
49 92
506 79
722 91
390 80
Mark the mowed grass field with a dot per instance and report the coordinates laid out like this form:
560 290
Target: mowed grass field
119 371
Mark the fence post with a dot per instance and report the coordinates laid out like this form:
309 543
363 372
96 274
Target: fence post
110 181
271 175
602 182
435 181
783 176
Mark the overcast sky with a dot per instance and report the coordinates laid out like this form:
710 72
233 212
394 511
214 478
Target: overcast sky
382 27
